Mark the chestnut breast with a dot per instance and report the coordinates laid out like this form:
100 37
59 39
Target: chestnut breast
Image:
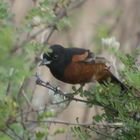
84 72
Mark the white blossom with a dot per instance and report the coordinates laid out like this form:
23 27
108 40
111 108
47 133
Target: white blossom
110 42
36 20
107 44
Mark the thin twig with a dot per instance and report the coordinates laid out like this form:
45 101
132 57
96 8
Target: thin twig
53 28
27 40
79 89
57 91
102 134
69 96
14 133
76 4
56 121
26 98
8 88
6 133
62 13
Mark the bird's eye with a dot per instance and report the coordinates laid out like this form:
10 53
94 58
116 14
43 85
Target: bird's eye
55 57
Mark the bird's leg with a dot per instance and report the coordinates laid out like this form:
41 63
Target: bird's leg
75 91
79 89
81 86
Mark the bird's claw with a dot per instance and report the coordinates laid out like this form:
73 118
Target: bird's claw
38 79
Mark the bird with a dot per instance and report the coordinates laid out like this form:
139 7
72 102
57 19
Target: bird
78 66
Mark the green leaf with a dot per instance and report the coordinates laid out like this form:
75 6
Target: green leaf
3 10
98 118
59 131
40 135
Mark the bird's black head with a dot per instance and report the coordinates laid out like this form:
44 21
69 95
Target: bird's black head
53 58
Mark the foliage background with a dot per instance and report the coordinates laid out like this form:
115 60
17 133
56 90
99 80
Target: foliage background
85 27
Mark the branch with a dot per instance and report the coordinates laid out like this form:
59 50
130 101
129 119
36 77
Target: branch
101 133
8 88
56 121
61 14
56 90
88 125
76 4
6 133
14 133
27 100
70 96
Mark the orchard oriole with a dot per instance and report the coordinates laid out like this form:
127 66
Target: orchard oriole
78 66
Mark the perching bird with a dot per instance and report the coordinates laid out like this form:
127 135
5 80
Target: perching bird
78 66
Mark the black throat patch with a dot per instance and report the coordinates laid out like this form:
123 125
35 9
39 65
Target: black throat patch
58 68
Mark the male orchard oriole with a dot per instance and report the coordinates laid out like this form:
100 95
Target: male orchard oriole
78 66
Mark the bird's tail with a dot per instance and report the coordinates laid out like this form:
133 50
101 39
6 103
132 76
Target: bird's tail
114 79
124 88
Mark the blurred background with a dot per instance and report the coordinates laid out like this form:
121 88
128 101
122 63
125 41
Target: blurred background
88 23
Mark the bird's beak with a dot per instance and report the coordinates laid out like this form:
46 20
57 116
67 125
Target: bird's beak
44 62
